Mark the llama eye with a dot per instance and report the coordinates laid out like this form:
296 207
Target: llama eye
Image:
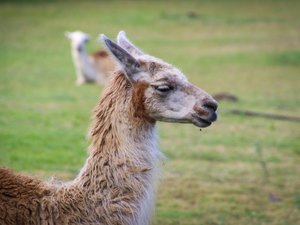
163 88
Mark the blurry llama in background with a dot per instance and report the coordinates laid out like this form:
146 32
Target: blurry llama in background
93 68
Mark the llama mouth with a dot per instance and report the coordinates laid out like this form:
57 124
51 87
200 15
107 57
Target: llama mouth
200 122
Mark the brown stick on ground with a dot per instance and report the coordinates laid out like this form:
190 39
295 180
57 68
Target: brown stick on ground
265 115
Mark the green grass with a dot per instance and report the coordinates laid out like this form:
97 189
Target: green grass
211 177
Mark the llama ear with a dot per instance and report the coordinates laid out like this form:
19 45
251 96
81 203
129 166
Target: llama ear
68 34
129 64
123 41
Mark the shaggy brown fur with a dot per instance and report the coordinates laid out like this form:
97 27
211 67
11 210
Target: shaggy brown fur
20 198
108 187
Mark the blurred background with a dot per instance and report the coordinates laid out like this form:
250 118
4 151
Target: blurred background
241 170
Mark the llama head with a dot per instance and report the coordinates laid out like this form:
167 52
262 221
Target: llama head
78 39
160 90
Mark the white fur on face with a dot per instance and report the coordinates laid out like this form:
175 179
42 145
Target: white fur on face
178 104
172 107
78 38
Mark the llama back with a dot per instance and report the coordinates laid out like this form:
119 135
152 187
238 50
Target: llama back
103 64
20 198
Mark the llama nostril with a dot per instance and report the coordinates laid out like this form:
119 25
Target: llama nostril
211 105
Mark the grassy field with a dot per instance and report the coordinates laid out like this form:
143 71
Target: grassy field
240 171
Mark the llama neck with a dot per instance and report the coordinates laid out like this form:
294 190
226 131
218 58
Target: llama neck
79 53
82 62
122 165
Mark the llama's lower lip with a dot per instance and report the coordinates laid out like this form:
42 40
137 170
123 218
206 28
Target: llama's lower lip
199 122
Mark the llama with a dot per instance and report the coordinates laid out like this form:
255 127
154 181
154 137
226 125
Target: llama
93 68
118 181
